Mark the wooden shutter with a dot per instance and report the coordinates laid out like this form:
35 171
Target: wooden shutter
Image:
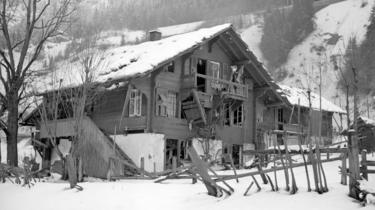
193 62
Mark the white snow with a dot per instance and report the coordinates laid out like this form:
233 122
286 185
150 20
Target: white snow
150 146
128 61
294 94
180 29
179 194
335 25
252 37
25 149
367 120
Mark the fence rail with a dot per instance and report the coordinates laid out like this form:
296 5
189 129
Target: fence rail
364 165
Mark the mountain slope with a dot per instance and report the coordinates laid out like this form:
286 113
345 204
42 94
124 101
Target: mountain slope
334 26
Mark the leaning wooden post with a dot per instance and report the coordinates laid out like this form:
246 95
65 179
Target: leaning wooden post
174 165
286 173
300 147
234 168
343 169
364 165
289 159
142 165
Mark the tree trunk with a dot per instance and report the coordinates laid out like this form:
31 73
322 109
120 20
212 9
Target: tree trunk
12 123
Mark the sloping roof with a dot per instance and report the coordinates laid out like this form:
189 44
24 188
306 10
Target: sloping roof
367 120
133 60
293 94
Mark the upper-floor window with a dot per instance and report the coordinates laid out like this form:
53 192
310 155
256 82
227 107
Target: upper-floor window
215 69
169 67
135 103
166 104
238 116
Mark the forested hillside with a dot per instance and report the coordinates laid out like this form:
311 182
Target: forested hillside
146 14
360 57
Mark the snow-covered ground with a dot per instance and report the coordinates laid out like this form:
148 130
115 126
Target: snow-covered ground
25 149
178 194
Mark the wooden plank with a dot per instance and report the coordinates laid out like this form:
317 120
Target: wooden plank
369 163
203 172
364 165
230 177
272 151
200 108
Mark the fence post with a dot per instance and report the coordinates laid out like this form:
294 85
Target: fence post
142 165
343 169
364 164
174 164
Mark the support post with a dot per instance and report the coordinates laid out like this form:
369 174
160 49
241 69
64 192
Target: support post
364 165
142 165
174 164
343 169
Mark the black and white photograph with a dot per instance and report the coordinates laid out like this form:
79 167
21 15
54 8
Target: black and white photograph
187 104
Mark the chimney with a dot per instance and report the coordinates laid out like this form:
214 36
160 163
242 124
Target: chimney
154 35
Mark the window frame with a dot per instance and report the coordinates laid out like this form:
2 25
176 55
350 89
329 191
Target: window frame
135 103
238 118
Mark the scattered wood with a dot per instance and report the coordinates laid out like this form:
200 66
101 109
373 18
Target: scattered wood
256 183
270 181
201 169
248 188
230 177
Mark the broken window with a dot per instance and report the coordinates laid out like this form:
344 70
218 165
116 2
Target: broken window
238 116
166 103
226 114
135 103
215 69
169 67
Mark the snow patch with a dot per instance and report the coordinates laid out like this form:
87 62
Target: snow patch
150 146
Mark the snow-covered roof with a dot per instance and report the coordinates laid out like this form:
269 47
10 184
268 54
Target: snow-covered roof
133 60
367 120
292 94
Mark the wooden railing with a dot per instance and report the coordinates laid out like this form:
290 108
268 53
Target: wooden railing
226 87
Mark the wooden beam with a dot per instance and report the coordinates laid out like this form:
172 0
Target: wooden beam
226 50
243 62
201 109
272 151
126 101
230 177
229 45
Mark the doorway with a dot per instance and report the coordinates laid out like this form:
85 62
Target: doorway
201 69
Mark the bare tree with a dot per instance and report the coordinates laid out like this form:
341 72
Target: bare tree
25 27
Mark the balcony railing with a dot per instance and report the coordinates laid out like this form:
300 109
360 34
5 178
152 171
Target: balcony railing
224 86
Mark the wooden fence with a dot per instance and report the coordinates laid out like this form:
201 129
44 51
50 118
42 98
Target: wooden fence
365 165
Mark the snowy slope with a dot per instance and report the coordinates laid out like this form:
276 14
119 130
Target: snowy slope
335 25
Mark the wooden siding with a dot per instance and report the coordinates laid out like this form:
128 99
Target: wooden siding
64 128
109 106
173 128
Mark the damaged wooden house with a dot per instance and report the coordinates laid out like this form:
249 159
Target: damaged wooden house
159 97
294 119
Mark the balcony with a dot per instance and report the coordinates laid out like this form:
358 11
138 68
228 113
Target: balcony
208 85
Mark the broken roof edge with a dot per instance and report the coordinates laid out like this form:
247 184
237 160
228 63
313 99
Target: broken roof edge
292 93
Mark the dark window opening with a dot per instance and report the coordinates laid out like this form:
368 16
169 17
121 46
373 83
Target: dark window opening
201 69
169 67
135 131
227 114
